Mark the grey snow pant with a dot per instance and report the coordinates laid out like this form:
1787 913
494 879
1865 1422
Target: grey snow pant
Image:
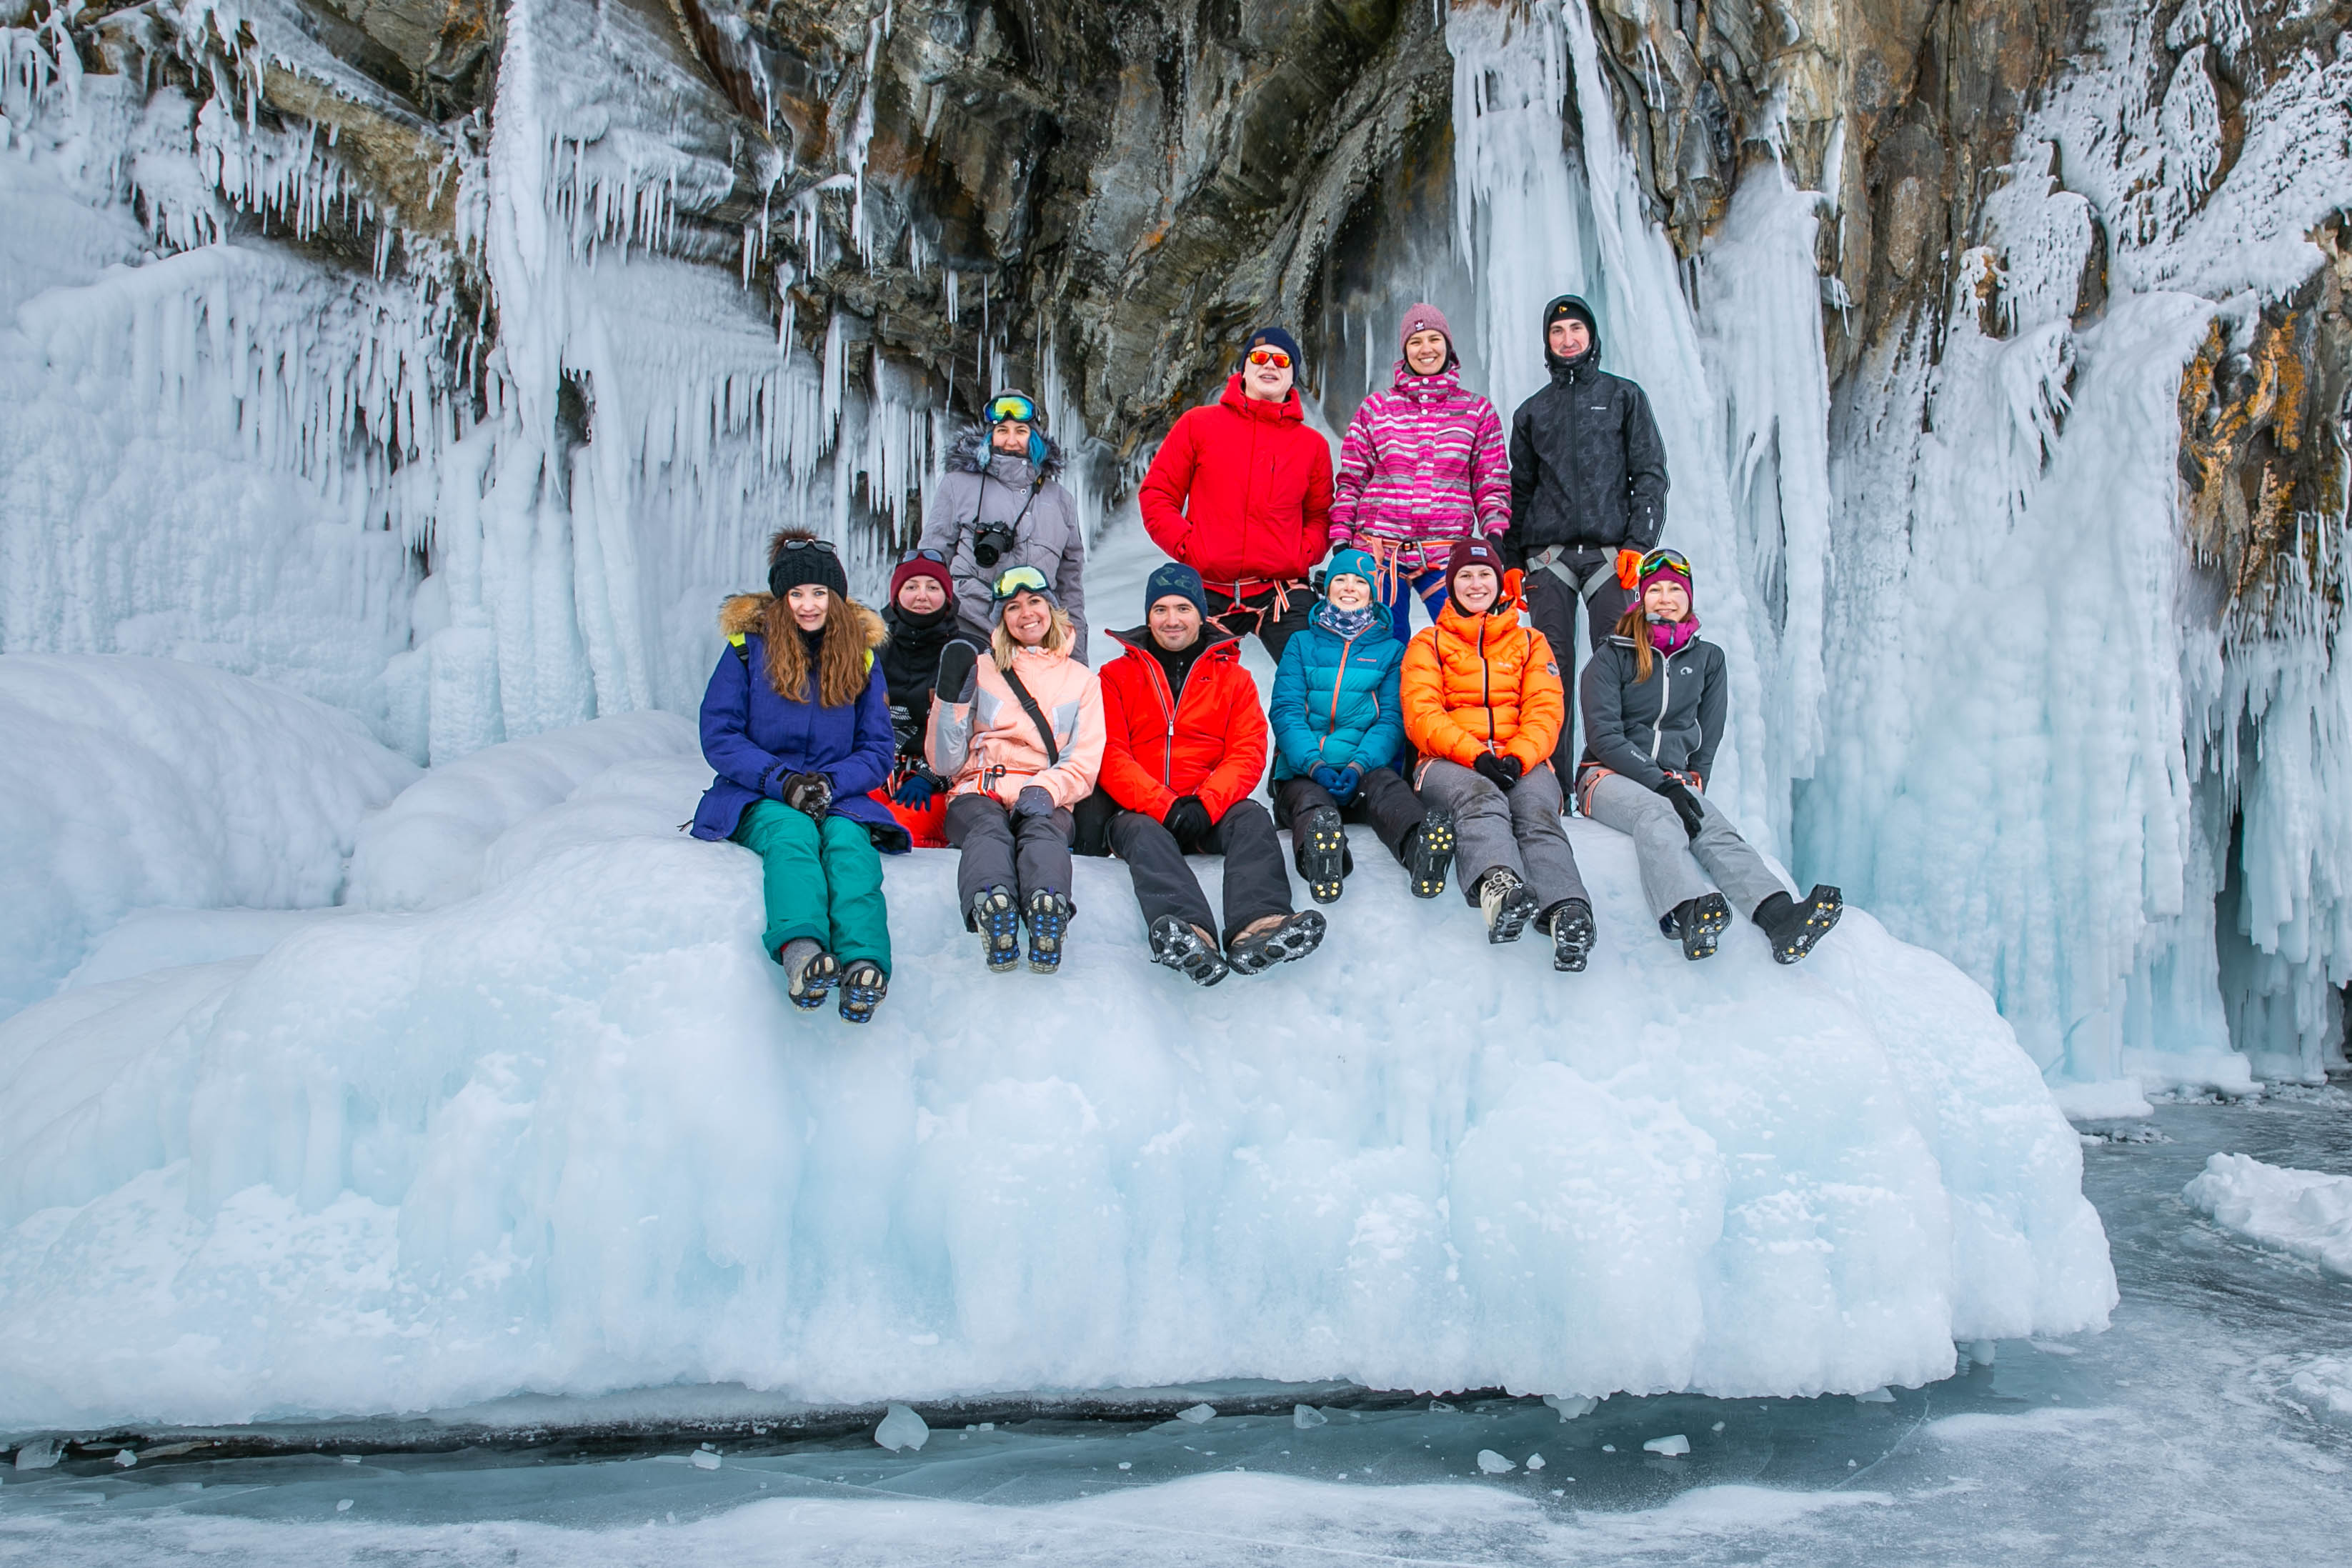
1024 854
1671 859
1551 607
1382 797
1258 884
1520 833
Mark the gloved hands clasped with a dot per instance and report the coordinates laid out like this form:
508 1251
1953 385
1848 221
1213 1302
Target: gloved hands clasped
1034 800
808 792
1502 772
1340 782
1187 822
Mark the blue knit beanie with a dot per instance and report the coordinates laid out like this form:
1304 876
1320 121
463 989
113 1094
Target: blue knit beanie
1177 578
1352 563
1273 337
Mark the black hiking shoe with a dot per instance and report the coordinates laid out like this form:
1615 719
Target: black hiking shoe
1175 944
1794 927
809 970
863 987
1430 852
1571 935
1049 919
999 924
1297 937
1508 904
1700 921
1322 852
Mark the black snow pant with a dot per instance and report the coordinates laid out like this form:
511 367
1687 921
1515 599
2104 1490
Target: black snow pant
1257 883
1022 854
1273 611
1382 797
1551 605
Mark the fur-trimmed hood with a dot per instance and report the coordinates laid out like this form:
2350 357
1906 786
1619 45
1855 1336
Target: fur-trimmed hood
970 450
744 613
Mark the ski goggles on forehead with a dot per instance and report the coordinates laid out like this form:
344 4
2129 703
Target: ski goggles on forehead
824 545
1274 357
1021 408
1665 561
1020 579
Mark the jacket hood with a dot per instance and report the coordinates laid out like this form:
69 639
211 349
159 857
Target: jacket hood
1214 644
1503 617
1572 305
969 452
743 614
1289 411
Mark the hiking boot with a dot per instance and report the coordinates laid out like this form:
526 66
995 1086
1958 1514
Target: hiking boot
1429 852
1571 935
809 970
1298 936
1700 922
1508 903
1049 919
1322 852
1794 927
999 924
1175 944
863 987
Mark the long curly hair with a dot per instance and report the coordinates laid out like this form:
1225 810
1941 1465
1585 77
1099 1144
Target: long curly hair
841 653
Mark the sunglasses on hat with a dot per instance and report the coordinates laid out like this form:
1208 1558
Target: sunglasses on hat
1665 560
824 545
1011 407
1274 357
1020 579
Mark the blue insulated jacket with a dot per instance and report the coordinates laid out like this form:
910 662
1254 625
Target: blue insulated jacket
1335 700
756 739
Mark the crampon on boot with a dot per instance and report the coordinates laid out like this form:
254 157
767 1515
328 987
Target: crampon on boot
999 924
809 970
1508 903
1699 922
1571 935
1049 919
1322 852
863 987
1297 937
1430 853
1794 927
1175 944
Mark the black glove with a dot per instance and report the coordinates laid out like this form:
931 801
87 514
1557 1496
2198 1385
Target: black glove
810 793
1685 805
1187 822
956 661
1034 800
1500 771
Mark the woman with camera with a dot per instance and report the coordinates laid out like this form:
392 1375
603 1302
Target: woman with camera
999 506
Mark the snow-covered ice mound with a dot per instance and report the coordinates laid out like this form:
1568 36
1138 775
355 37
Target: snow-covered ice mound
2305 1213
568 1135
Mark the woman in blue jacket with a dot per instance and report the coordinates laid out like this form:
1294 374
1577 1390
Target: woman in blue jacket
1338 731
796 720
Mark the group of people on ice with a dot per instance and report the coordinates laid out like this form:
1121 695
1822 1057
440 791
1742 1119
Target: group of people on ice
967 713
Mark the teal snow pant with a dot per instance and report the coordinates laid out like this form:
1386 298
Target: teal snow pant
821 882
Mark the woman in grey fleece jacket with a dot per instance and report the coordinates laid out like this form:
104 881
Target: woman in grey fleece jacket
1000 479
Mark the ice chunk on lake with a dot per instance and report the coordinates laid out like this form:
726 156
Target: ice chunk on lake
705 1460
1197 1414
900 1428
2305 1213
1572 1406
1494 1464
1306 1417
1671 1448
40 1454
1874 1397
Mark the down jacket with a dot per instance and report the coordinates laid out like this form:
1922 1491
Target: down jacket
986 744
1672 721
1335 700
1422 465
1587 465
1241 490
1472 684
980 487
1211 741
754 738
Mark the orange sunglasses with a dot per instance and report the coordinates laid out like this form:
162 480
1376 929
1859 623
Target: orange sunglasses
1274 357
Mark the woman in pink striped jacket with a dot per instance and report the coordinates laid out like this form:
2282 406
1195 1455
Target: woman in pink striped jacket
1423 465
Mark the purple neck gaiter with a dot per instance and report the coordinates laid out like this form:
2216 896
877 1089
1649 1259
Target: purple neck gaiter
1670 637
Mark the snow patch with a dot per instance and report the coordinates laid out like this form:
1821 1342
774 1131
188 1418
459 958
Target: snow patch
2305 1214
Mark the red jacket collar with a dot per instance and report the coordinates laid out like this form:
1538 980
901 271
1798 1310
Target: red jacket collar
1288 411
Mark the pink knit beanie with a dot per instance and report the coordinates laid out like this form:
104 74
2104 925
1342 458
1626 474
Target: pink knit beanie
1422 319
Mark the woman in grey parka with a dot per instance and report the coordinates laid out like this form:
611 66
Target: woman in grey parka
999 506
1654 697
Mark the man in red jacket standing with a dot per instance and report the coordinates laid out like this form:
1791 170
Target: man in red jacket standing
1185 742
1241 492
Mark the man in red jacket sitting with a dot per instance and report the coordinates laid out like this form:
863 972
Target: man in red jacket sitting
1185 743
1241 492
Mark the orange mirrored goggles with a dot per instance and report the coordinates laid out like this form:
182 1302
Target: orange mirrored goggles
1274 357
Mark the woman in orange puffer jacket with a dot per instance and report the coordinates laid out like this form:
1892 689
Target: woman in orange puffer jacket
1482 705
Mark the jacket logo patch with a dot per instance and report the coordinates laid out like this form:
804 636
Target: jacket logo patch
1552 668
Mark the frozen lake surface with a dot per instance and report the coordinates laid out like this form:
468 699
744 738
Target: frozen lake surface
2186 1433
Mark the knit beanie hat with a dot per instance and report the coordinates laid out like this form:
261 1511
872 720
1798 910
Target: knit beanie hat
1471 552
1178 580
1569 307
1666 571
1352 563
798 559
1427 318
1275 337
916 566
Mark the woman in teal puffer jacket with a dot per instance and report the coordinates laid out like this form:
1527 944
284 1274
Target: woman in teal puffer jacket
1338 730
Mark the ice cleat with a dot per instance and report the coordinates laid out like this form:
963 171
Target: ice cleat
1508 903
1322 854
1700 922
1431 853
809 970
999 924
1794 927
863 987
1571 935
1175 944
1297 937
1049 919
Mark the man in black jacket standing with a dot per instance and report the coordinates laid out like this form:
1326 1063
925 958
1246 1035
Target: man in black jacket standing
1588 480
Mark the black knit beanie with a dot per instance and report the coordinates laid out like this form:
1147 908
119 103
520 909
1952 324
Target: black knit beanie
794 564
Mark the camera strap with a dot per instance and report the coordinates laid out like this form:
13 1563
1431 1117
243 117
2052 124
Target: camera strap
1037 717
1013 527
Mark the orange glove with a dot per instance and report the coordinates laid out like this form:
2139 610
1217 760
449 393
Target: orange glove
1628 570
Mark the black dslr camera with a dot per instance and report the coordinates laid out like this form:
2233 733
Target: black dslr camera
992 542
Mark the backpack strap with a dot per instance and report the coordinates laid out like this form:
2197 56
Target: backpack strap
735 641
1037 717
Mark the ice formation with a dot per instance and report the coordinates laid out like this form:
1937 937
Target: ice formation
2307 1214
567 1135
